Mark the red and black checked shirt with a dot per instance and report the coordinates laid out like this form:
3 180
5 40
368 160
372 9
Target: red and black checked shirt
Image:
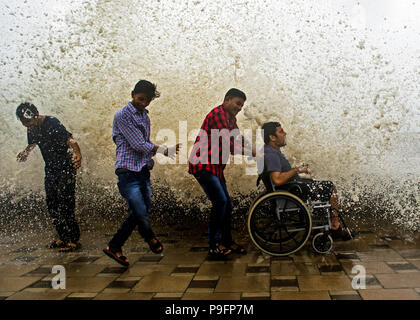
201 154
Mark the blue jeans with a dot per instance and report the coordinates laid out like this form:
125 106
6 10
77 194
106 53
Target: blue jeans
221 211
135 189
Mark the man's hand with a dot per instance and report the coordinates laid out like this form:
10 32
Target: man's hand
77 160
172 151
22 156
304 168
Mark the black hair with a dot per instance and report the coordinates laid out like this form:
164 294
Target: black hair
26 111
232 93
148 88
269 128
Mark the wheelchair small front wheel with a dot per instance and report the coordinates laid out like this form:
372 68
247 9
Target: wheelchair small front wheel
322 243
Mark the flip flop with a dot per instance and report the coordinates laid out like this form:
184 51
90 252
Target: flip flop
70 247
120 259
56 244
219 254
155 246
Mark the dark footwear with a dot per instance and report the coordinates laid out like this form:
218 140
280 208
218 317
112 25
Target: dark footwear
342 234
70 247
155 245
237 248
56 244
218 253
113 255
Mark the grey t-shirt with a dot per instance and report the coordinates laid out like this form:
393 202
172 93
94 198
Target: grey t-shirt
274 161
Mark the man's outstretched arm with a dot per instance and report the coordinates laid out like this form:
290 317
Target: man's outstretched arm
23 156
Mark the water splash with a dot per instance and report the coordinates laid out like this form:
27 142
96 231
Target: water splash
341 76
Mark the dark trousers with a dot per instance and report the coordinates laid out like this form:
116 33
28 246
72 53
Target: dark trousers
135 189
221 210
60 191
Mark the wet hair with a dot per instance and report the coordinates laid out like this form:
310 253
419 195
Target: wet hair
233 93
269 128
26 111
148 88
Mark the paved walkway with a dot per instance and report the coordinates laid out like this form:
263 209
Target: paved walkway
183 271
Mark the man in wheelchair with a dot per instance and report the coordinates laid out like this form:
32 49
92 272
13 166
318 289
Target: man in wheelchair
277 174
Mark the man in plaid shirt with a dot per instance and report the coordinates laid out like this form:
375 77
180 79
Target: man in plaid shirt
218 138
131 134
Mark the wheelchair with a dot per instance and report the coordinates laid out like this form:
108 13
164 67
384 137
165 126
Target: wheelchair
282 220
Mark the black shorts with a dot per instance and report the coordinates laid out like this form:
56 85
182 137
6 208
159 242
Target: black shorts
310 189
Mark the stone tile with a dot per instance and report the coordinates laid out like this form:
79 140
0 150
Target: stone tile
16 283
347 256
86 259
185 269
206 278
389 294
415 263
222 269
372 282
140 269
255 296
149 258
50 295
87 284
122 284
379 246
380 255
46 284
211 296
345 295
400 280
402 267
293 268
5 294
329 269
124 296
302 295
82 296
190 258
203 284
83 270
410 254
167 296
308 256
113 270
16 270
372 267
41 271
324 283
255 283
255 269
284 283
159 283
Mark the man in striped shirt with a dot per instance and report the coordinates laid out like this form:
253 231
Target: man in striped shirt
134 152
218 138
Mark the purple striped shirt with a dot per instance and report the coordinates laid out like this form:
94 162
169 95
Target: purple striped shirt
131 134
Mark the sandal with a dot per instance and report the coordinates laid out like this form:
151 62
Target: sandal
113 255
56 244
342 234
155 245
237 248
70 247
219 254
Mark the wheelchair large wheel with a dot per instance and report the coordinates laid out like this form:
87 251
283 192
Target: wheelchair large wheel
279 223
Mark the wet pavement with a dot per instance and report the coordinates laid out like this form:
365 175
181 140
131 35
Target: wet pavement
183 271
